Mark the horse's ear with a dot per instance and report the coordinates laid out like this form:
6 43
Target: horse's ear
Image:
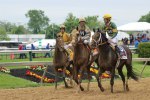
77 28
98 30
94 30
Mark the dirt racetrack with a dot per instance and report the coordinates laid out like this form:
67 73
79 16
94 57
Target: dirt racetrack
138 91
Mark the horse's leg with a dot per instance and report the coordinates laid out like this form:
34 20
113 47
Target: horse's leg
80 78
122 76
128 75
98 78
75 75
112 78
71 76
89 78
56 79
64 77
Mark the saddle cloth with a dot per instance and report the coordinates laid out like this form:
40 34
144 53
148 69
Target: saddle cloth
123 54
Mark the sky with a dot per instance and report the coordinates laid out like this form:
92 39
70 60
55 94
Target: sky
123 11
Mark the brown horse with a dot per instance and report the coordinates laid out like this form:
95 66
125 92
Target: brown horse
61 60
108 60
80 61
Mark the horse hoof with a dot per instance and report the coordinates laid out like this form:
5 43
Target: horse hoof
82 89
102 89
66 86
127 88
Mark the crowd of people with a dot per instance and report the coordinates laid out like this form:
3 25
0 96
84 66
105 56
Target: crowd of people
23 47
135 40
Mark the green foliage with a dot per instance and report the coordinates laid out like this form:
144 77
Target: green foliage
93 22
37 20
144 50
18 30
7 26
71 22
3 35
51 31
145 18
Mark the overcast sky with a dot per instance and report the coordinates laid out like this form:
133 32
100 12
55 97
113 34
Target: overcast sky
123 11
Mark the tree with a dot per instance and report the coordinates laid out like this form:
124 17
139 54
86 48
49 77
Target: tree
145 18
18 30
3 35
37 20
7 25
71 22
51 31
93 22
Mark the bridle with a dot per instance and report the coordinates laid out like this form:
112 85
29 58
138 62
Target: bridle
99 41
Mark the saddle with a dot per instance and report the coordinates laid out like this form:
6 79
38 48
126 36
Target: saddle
122 52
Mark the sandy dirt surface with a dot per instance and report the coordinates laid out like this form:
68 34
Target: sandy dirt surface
138 91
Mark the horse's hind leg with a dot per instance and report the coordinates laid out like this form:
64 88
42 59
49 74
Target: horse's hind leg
56 79
89 78
122 76
128 75
112 79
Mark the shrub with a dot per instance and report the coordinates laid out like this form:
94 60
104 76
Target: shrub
144 50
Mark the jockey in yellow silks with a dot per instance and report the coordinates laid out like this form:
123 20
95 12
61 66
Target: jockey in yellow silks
66 38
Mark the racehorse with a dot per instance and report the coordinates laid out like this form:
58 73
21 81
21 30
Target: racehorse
80 61
108 59
61 61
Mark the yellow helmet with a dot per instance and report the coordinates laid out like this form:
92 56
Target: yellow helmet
82 20
62 26
107 16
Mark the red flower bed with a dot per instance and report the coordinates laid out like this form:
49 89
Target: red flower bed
45 79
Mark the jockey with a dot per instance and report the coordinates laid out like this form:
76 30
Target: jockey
64 35
83 31
66 39
112 32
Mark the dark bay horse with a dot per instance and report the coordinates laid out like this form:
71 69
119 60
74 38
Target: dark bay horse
80 61
107 59
61 60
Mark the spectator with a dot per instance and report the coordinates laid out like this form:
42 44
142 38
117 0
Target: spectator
24 55
47 48
144 39
20 48
33 48
131 39
136 42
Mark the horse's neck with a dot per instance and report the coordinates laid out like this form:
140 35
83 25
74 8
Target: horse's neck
59 54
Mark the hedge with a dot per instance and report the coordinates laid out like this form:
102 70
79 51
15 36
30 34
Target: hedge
144 50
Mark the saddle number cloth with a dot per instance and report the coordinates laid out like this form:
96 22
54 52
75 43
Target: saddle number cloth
123 54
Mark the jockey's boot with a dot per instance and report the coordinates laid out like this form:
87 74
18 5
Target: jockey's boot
117 51
68 55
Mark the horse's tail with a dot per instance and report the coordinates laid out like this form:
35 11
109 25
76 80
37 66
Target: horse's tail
131 73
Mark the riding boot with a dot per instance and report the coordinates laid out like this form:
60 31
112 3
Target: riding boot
68 55
117 51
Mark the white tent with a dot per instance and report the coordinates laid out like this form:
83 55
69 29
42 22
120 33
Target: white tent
135 27
43 43
122 35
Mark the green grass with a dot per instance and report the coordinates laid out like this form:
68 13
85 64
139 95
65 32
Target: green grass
19 60
8 81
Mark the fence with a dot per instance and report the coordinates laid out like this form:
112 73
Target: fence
14 53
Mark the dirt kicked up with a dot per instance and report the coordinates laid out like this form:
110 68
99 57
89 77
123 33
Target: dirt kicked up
138 91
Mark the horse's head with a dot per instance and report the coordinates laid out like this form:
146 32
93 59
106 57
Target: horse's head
60 43
98 38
